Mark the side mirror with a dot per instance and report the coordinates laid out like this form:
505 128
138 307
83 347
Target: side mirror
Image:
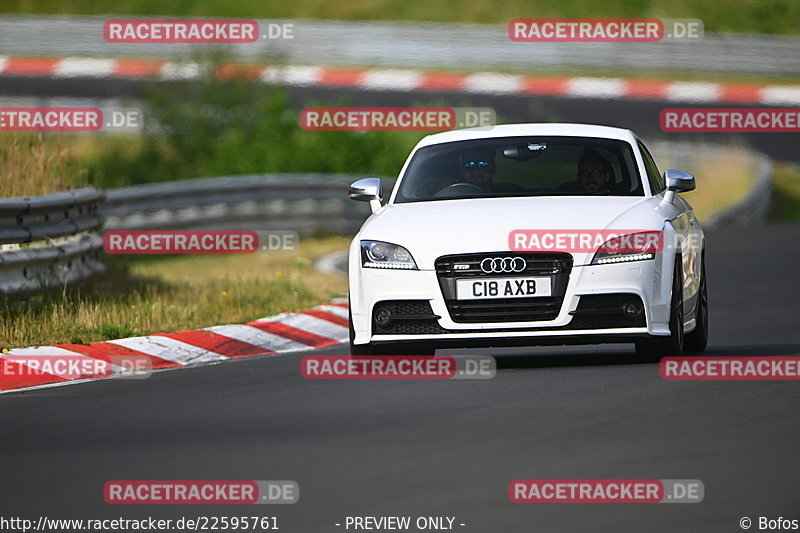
679 181
367 190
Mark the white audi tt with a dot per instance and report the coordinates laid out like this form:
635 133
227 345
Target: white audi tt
529 234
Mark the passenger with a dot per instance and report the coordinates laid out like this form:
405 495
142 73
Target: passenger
595 173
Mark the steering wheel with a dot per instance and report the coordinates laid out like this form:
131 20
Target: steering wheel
459 188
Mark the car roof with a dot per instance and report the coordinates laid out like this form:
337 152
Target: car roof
524 130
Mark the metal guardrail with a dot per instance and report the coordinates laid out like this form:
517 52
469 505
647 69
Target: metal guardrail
36 218
316 203
306 203
33 269
754 207
751 209
58 231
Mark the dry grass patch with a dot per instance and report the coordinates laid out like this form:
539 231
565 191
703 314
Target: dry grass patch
34 164
141 296
724 175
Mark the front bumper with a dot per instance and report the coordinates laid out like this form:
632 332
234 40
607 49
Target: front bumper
642 278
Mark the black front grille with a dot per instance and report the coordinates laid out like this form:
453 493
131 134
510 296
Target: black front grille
452 267
604 311
406 307
536 264
596 311
409 317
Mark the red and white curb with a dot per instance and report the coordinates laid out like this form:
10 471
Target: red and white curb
325 325
409 80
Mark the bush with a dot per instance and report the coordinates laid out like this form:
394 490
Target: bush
216 128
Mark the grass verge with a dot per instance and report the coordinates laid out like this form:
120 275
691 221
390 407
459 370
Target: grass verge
723 176
147 295
35 165
786 192
213 128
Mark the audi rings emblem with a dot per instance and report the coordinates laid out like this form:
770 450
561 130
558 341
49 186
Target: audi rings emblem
497 265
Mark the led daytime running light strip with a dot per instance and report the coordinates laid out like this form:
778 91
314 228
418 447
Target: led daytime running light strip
389 265
623 259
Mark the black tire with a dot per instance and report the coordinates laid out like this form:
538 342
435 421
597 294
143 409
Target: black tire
395 348
697 340
673 345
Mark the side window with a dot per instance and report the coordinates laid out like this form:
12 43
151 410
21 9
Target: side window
653 175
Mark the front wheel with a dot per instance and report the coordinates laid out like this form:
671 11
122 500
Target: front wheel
673 345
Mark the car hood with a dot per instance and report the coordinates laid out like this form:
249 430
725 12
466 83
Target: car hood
432 229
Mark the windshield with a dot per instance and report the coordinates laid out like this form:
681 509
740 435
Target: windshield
521 166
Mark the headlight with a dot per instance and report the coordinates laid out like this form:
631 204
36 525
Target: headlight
630 247
377 254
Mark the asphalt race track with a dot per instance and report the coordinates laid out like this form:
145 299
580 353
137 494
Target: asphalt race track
444 448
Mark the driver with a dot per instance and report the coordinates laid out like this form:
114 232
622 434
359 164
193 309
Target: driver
477 167
595 173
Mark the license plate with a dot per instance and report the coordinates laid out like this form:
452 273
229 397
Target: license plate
485 288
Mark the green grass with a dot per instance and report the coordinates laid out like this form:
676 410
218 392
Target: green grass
213 128
157 295
740 16
206 129
786 192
